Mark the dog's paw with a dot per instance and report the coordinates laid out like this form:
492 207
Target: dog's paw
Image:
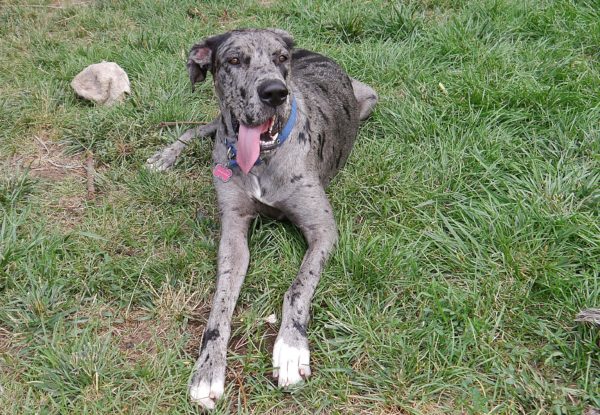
291 363
206 393
208 380
165 158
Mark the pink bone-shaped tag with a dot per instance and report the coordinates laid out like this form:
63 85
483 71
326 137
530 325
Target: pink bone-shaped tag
222 173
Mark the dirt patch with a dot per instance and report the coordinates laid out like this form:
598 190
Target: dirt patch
48 160
60 4
64 212
5 341
65 181
195 328
140 332
270 335
138 335
237 344
229 18
11 347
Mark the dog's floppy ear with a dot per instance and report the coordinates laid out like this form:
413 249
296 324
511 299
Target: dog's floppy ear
199 62
285 36
201 58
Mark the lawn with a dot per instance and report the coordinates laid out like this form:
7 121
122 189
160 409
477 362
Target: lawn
468 213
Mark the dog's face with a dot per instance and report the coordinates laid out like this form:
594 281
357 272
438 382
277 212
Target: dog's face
251 70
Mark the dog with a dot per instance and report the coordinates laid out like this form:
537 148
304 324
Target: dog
288 120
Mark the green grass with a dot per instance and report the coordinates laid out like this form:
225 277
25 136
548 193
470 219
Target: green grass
468 213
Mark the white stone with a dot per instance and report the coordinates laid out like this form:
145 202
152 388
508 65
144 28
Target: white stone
105 83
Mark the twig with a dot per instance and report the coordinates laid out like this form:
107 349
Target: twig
176 123
590 315
63 166
241 389
42 143
90 172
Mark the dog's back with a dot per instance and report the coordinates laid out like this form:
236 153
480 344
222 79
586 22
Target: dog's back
332 110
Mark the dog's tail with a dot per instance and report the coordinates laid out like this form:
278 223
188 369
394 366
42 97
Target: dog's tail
366 98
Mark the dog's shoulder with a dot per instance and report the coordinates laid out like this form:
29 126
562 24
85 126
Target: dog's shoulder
321 79
304 57
307 65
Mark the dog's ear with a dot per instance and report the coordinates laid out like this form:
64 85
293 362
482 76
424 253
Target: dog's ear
199 62
285 36
201 58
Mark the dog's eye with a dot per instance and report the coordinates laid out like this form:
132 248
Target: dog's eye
282 58
234 61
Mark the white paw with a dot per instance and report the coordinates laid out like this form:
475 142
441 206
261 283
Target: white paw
205 394
291 364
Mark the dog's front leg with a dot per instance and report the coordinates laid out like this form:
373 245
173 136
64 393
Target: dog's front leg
208 379
291 356
165 158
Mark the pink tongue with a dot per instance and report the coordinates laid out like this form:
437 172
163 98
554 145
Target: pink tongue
249 145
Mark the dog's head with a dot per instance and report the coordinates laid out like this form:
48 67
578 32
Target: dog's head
251 71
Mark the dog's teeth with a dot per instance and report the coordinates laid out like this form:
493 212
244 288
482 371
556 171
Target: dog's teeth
274 137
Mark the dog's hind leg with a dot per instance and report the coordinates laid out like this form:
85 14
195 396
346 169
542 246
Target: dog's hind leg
166 157
291 356
366 97
208 379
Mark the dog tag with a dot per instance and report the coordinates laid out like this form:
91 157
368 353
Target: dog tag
222 172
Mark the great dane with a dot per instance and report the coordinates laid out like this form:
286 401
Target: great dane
288 120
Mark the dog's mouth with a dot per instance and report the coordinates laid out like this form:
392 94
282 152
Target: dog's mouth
253 140
267 132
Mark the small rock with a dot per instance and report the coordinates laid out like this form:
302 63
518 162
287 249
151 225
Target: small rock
272 319
105 83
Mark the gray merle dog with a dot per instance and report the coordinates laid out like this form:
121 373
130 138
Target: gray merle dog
288 120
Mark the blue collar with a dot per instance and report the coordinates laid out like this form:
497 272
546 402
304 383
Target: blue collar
289 125
283 136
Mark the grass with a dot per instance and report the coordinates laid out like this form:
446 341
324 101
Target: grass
468 213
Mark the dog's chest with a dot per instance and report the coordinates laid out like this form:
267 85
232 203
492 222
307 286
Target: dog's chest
253 189
263 187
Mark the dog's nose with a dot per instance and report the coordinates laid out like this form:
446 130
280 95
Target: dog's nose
273 92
